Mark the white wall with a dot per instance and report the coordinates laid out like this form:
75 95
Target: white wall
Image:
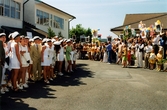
29 12
6 21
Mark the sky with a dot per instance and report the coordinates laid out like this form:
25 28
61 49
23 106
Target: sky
106 14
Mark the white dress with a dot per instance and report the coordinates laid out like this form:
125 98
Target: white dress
5 67
25 57
105 58
75 55
52 56
14 62
46 57
60 55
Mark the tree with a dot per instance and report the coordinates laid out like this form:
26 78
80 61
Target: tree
51 33
60 34
78 31
89 33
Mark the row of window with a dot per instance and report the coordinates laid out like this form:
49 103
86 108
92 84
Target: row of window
47 19
10 8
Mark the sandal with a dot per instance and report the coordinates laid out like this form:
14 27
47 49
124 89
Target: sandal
16 89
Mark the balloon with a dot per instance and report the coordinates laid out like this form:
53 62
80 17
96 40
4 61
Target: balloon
158 22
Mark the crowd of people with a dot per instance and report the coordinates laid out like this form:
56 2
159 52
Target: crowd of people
132 51
23 59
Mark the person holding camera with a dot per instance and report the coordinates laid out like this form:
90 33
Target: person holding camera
25 59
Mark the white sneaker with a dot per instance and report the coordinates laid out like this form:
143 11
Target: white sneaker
46 81
20 86
51 79
60 73
6 89
2 91
25 85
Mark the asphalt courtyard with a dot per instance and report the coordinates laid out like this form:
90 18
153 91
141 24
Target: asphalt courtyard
94 86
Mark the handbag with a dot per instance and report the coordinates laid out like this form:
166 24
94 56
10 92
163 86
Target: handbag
27 57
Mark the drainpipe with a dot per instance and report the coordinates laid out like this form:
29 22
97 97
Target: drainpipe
69 26
23 11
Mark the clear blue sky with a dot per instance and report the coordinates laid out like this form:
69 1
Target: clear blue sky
106 14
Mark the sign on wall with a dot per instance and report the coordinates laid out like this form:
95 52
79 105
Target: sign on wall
29 34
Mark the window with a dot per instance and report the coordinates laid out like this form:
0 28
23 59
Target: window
51 20
42 18
58 22
7 8
46 19
18 10
38 17
10 8
13 9
1 7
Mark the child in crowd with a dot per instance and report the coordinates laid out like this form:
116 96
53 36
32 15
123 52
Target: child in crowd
152 59
159 60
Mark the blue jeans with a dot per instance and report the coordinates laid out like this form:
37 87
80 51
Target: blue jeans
109 56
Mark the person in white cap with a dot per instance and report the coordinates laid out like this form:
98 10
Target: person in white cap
68 56
10 41
15 60
60 58
53 58
46 61
35 53
2 63
25 59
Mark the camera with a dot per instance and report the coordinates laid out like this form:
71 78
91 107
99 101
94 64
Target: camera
28 61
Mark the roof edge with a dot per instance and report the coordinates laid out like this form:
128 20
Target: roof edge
138 21
56 8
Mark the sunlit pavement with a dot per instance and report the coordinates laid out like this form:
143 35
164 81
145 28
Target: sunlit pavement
94 86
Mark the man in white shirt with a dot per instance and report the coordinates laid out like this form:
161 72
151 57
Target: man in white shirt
155 43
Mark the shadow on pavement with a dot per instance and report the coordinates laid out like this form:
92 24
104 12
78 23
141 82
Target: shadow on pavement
38 90
13 100
73 79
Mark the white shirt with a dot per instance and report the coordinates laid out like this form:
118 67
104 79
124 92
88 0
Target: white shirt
156 40
148 48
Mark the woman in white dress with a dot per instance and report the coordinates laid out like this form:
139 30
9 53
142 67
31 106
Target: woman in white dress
29 44
15 60
53 60
46 62
25 60
60 58
105 58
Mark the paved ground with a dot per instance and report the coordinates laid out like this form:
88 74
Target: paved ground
95 86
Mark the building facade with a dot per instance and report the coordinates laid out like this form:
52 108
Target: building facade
44 16
36 13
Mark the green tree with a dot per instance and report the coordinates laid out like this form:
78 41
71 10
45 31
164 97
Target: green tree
78 31
60 34
51 33
89 33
